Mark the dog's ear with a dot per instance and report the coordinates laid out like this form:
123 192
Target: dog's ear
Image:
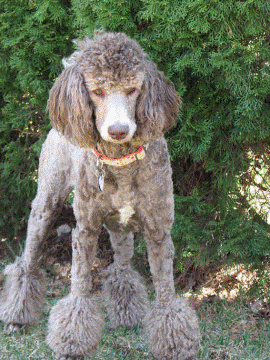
158 104
70 108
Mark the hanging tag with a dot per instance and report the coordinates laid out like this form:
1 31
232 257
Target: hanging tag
100 174
101 181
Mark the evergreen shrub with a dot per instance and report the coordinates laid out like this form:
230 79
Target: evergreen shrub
216 53
34 36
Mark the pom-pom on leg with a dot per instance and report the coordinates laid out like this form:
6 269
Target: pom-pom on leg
75 327
173 330
22 298
125 297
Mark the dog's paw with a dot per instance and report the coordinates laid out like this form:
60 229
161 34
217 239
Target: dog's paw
75 327
125 297
173 330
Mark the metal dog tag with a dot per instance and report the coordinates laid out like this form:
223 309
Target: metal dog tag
101 181
100 174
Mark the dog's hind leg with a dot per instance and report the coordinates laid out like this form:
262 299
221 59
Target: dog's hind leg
21 300
125 295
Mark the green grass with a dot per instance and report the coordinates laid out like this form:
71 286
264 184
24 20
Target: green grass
230 331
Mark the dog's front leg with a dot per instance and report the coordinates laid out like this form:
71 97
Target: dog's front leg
76 322
171 324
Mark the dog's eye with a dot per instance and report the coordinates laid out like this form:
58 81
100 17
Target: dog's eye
131 91
98 92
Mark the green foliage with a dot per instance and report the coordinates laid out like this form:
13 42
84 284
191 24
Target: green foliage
217 54
111 15
34 37
217 234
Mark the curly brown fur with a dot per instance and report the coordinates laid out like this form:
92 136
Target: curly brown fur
173 331
22 299
125 297
75 327
70 108
112 96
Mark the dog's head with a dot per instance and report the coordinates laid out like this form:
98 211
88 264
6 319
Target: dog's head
110 90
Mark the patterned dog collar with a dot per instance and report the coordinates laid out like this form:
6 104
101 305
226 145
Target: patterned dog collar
125 160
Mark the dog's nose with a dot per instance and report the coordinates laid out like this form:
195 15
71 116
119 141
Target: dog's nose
118 131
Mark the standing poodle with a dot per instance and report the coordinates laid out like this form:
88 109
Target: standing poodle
109 110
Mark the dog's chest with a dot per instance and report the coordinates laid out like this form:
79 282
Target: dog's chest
125 213
122 207
122 214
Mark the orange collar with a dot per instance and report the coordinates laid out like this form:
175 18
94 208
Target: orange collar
125 160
